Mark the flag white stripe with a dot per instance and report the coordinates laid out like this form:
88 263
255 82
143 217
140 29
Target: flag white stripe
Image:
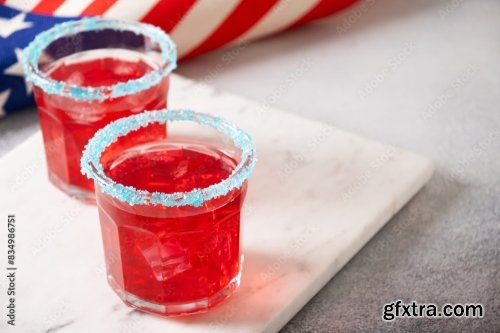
25 5
200 22
279 17
72 7
130 9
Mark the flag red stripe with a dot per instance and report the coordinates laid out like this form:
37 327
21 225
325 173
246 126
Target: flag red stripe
244 16
166 13
47 6
323 9
98 7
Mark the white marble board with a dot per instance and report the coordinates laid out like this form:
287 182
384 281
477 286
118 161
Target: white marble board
317 196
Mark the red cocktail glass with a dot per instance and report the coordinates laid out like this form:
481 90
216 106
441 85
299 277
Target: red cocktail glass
170 208
87 73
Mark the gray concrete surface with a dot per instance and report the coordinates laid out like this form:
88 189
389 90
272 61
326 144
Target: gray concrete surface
423 75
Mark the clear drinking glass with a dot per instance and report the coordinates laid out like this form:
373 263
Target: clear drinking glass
170 208
87 73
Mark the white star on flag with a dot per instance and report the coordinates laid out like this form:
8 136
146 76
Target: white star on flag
8 27
17 69
4 95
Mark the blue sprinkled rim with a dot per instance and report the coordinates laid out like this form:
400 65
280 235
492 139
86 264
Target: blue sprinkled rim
33 51
92 168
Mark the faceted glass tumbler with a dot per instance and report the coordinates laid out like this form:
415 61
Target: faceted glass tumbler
87 73
170 209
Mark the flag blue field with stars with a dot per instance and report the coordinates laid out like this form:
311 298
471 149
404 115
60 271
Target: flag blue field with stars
17 30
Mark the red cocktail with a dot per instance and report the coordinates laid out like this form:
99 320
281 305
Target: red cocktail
86 74
170 209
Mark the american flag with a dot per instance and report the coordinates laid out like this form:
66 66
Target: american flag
197 26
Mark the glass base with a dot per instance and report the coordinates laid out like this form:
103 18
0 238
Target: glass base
73 191
175 309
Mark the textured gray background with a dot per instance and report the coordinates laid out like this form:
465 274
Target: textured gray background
423 75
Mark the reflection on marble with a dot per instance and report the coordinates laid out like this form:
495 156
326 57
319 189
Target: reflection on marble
317 196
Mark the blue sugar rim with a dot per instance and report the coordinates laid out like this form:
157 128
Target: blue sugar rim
92 168
33 51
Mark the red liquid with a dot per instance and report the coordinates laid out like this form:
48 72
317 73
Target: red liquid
67 124
172 255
